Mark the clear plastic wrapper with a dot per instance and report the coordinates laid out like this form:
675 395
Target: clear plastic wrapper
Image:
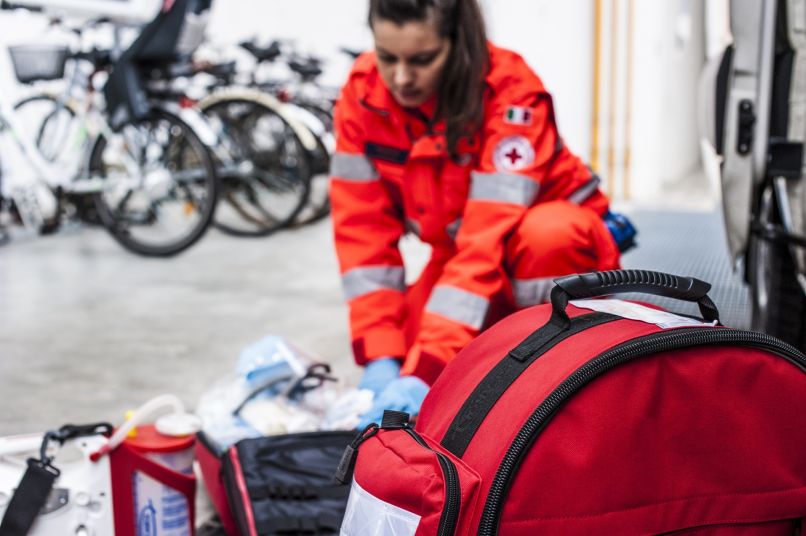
276 388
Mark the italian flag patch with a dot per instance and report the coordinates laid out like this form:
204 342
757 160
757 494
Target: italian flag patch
518 115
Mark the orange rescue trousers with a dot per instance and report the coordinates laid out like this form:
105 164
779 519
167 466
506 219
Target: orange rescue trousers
555 238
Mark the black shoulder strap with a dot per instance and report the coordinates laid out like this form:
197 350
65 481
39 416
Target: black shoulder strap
475 409
29 498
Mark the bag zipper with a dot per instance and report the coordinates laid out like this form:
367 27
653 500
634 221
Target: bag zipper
453 492
640 347
344 472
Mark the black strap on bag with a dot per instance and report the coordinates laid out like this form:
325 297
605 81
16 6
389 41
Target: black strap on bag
37 482
29 498
560 327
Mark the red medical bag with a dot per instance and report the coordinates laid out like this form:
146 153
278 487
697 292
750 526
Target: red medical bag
596 416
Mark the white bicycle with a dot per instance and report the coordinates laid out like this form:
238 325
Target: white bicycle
151 178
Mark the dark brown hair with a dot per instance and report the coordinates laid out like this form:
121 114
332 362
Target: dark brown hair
460 101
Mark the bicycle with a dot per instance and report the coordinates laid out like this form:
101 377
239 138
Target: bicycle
310 103
150 177
261 153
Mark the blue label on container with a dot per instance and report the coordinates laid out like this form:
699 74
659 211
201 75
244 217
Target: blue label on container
147 520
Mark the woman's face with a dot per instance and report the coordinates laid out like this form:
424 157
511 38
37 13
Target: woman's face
411 57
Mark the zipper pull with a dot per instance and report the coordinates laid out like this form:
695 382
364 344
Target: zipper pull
394 420
344 472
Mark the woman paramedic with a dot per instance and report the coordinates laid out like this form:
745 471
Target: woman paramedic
444 135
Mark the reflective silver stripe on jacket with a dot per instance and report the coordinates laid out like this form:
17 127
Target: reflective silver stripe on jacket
530 292
453 228
413 226
361 281
352 167
504 187
586 190
458 305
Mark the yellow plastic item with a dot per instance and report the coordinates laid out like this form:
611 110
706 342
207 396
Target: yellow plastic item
133 431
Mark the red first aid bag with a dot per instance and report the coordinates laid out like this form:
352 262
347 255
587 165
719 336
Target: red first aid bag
595 416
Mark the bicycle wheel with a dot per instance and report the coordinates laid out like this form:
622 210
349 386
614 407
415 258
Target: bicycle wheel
318 205
159 185
265 173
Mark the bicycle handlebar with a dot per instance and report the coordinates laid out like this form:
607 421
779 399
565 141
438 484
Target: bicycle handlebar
269 53
97 56
353 53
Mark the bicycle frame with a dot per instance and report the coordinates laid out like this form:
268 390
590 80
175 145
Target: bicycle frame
46 173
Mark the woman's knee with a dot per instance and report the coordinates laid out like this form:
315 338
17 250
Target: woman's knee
554 238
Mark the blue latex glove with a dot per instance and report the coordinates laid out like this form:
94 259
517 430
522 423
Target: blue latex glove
622 229
403 394
379 373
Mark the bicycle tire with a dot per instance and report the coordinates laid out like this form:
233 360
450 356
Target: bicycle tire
251 200
121 224
318 204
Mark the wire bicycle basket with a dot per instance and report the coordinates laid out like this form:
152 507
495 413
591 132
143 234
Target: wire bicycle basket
38 62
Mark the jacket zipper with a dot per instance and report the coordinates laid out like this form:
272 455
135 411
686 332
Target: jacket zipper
450 513
641 347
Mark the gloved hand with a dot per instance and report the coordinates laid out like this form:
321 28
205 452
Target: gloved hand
622 229
379 373
403 394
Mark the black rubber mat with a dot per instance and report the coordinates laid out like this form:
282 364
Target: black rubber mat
690 244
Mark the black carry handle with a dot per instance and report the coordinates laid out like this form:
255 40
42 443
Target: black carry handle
595 284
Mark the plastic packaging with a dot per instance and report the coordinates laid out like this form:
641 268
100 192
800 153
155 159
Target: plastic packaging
277 388
346 411
272 359
264 370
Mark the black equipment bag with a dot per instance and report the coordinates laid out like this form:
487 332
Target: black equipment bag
277 485
284 484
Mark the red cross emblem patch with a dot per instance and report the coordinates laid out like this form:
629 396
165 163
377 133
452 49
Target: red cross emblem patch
513 152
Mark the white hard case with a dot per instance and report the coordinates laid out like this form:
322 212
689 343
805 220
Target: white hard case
81 500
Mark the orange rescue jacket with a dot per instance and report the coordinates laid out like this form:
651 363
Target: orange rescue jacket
392 174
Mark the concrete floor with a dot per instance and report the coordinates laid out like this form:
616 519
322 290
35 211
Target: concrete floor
88 331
